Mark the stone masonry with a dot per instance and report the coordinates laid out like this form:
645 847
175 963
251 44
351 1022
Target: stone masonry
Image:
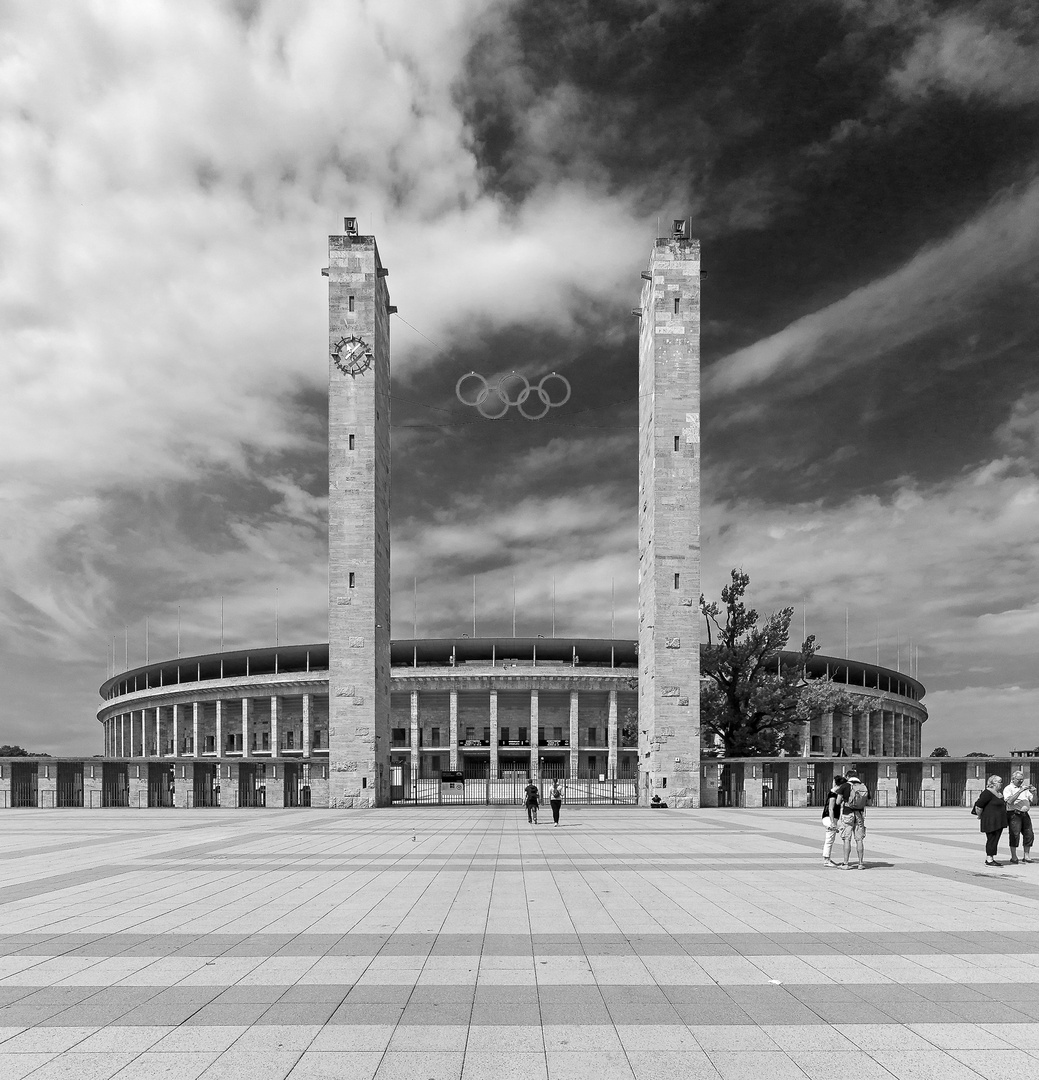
358 523
669 523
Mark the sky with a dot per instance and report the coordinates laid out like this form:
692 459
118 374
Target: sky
862 175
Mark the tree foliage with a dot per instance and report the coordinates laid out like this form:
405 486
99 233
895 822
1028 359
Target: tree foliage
939 751
749 698
8 750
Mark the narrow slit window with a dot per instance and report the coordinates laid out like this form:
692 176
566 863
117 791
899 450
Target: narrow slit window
351 303
351 579
677 580
678 305
352 443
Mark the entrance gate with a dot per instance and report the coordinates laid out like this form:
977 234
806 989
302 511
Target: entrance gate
115 784
160 785
297 784
205 786
252 784
458 790
23 784
70 783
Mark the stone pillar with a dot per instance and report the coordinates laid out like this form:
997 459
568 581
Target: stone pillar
158 731
575 756
246 745
415 758
452 735
806 739
176 730
306 725
889 734
275 717
493 720
876 733
611 737
218 740
900 744
827 734
195 709
846 733
535 749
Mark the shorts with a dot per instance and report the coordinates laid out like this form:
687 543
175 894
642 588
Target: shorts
853 825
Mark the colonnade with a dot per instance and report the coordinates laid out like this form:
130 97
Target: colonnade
568 747
866 733
139 733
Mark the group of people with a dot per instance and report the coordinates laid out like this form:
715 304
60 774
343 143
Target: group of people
532 800
1009 808
844 812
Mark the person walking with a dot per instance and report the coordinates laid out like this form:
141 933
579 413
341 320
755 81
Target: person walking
1019 797
555 800
531 800
832 818
991 808
853 795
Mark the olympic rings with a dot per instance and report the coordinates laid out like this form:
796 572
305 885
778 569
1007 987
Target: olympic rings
493 400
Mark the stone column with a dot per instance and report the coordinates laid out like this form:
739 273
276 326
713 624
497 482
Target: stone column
876 733
889 734
493 719
846 734
535 749
275 717
176 730
806 738
827 734
452 735
575 757
611 737
158 731
415 758
900 743
218 740
195 709
306 726
246 746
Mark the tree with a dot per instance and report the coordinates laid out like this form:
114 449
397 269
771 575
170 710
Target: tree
8 750
748 698
939 751
977 753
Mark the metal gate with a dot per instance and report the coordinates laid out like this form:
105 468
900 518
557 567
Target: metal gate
115 785
455 789
297 783
160 785
70 784
205 786
252 784
23 784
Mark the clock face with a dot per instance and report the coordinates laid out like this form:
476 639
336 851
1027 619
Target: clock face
352 355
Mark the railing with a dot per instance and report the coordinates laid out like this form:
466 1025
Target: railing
511 791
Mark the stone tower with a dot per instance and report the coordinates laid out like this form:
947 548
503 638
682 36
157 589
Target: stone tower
358 521
669 522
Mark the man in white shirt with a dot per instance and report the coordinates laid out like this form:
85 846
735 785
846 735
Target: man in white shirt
1019 797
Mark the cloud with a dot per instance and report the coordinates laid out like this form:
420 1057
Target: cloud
989 719
962 54
943 286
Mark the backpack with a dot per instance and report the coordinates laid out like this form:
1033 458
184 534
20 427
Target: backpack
859 796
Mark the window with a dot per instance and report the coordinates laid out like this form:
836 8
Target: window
352 442
210 744
557 733
317 739
541 734
350 303
351 579
470 734
678 304
434 764
678 578
522 734
503 735
593 736
398 736
434 736
486 734
288 740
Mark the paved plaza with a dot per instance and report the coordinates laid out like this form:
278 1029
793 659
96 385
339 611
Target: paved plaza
437 944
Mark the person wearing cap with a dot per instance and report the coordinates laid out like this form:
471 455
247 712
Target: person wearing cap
831 819
854 796
1019 797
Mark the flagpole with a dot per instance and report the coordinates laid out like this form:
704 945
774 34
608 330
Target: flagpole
416 609
178 631
277 628
553 605
513 605
613 608
474 605
221 622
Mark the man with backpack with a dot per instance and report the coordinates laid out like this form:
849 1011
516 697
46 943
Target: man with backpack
853 797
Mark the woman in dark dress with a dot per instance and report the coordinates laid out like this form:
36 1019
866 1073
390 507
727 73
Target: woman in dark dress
992 810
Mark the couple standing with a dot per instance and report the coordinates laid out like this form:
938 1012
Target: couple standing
1001 807
845 811
532 799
